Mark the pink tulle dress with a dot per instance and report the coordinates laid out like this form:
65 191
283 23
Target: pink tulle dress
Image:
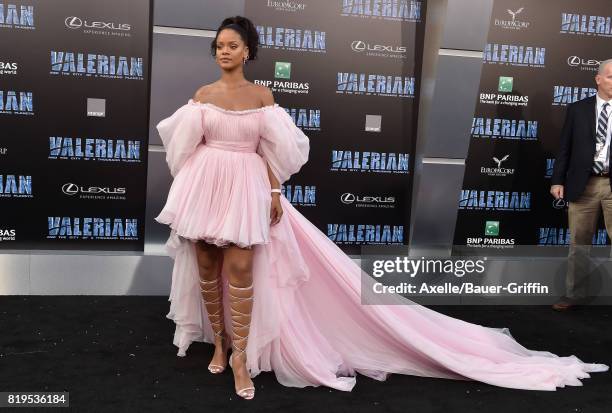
308 324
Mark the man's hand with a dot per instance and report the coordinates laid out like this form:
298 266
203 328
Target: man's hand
556 191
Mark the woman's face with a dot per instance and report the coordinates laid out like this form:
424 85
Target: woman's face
231 49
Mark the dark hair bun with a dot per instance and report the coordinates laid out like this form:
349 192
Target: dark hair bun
248 34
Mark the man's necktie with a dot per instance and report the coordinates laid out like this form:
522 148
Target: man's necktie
602 132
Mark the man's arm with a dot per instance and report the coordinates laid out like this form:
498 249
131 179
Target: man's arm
563 155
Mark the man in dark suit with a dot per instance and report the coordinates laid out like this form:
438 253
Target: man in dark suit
581 176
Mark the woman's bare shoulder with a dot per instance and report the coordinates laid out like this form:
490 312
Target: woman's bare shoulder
203 92
265 94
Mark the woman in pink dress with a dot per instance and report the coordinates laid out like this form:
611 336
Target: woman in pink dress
253 274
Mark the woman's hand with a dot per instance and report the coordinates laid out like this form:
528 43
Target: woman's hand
276 211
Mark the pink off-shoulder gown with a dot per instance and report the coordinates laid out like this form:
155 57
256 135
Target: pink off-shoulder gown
308 324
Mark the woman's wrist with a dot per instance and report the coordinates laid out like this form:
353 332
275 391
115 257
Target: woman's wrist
276 190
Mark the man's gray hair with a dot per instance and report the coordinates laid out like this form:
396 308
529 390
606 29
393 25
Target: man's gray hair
602 66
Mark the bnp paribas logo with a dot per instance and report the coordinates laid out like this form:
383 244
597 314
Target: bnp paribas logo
282 82
492 228
282 70
506 84
505 94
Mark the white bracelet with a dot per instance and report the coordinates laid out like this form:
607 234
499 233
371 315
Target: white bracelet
276 190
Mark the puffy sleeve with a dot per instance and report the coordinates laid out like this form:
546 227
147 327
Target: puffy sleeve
181 133
283 145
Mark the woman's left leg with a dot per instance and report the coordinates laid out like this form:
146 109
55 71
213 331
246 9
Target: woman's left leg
238 264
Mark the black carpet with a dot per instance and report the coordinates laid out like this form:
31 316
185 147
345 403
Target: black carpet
115 354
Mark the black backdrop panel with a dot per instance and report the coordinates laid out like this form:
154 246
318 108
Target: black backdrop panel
75 106
350 68
540 56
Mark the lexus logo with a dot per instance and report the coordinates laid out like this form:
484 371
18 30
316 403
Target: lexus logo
73 189
559 203
73 22
575 61
347 198
70 189
358 46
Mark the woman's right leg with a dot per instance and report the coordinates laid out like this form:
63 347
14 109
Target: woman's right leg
239 263
209 261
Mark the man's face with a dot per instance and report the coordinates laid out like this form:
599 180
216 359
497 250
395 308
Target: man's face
604 82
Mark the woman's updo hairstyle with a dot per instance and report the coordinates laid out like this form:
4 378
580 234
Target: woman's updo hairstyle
245 28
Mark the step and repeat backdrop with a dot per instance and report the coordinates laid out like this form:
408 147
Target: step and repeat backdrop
348 73
540 57
74 107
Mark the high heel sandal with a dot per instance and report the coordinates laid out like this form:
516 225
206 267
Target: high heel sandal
240 320
214 308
